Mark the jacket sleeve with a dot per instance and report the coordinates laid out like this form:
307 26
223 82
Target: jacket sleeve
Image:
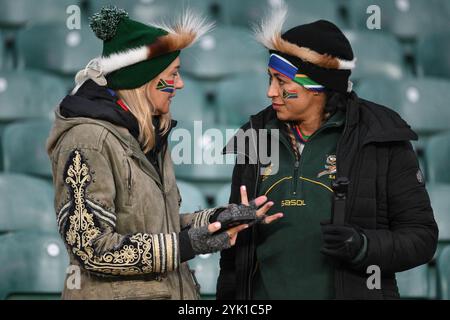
87 221
199 218
411 239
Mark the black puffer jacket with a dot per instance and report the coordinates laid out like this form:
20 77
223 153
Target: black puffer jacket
387 199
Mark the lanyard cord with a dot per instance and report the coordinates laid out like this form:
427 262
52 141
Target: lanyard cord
299 134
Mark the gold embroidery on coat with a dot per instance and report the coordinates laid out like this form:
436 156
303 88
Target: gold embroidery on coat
133 257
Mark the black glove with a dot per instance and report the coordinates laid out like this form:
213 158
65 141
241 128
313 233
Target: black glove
202 241
343 243
238 211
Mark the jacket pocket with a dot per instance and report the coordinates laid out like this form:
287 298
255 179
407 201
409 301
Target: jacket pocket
141 290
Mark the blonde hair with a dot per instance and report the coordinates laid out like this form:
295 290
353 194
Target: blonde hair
140 104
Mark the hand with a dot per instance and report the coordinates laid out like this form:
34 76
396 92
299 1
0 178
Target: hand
204 241
249 209
341 242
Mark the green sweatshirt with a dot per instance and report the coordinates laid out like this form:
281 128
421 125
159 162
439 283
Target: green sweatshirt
290 265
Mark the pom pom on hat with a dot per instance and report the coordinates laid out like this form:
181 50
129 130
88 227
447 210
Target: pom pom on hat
105 23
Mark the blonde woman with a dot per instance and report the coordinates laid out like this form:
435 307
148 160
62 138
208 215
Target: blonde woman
116 197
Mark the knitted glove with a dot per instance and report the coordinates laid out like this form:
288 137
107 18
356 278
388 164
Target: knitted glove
203 241
238 211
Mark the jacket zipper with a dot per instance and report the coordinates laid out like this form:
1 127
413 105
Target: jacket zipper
129 183
339 276
296 167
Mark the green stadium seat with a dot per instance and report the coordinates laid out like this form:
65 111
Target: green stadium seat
240 97
192 198
305 11
421 102
247 13
206 145
440 201
443 267
206 270
377 55
24 148
144 11
223 195
68 51
196 153
439 197
2 51
32 265
413 283
216 55
14 13
405 18
17 13
29 94
26 203
189 103
433 55
437 153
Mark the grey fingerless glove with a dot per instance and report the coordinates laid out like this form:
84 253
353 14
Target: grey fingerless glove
203 241
238 210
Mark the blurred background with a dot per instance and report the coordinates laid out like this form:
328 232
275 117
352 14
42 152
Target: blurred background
404 65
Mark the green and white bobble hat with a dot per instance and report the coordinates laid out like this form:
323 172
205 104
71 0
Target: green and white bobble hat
134 53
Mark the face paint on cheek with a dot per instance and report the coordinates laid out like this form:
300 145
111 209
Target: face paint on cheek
167 86
289 94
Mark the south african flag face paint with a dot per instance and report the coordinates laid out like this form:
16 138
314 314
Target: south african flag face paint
289 94
289 70
166 86
303 80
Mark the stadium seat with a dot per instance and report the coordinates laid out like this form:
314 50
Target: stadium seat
217 55
304 11
29 94
433 55
206 270
440 201
377 55
197 155
205 145
421 102
191 196
437 153
405 18
24 148
413 283
223 195
17 13
240 97
441 207
26 203
189 103
68 51
443 268
144 11
32 265
2 51
247 13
